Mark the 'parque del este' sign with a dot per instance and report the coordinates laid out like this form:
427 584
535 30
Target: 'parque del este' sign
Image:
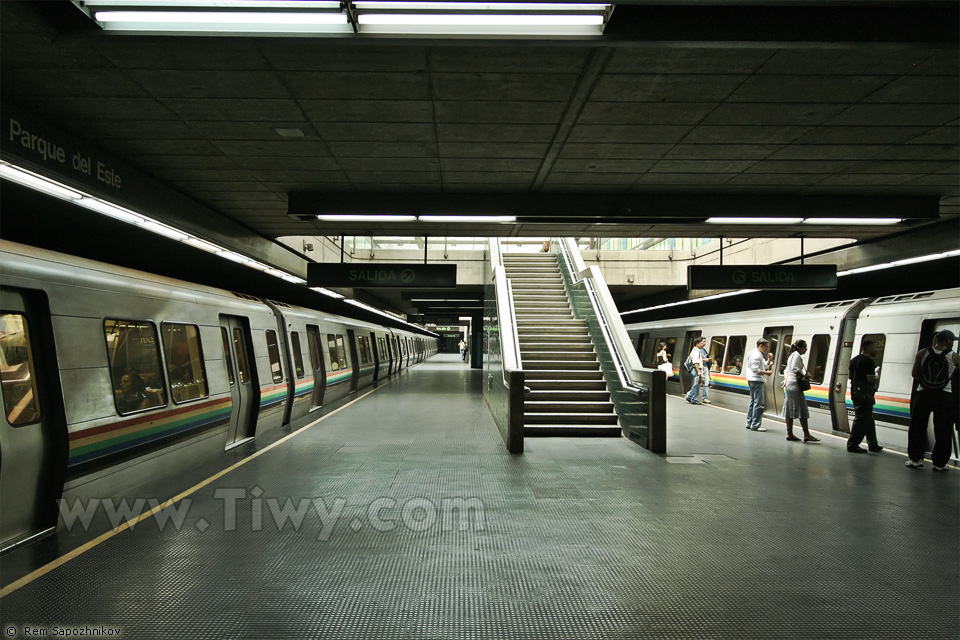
383 275
818 276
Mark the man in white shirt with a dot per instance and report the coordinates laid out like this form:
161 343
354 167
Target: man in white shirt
696 357
755 366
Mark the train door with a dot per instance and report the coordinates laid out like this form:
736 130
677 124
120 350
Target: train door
928 329
33 430
242 375
396 351
686 381
780 339
316 365
376 356
354 358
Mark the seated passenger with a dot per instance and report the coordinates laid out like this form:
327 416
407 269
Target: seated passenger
736 366
132 393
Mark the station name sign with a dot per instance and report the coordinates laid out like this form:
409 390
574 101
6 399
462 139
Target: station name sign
383 275
819 276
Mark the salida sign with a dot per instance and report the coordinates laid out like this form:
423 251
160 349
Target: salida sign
383 275
763 277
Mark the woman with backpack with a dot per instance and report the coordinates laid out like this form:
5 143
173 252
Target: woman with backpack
932 370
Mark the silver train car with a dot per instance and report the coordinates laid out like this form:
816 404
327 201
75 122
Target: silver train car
111 377
900 325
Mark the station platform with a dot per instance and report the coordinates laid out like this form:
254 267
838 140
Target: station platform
400 515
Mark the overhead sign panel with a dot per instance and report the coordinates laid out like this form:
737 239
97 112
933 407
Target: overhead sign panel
820 276
383 275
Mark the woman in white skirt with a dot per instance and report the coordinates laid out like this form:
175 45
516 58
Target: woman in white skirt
794 404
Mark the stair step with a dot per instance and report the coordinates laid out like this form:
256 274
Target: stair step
565 347
539 407
567 395
558 356
562 374
566 386
569 418
585 365
570 431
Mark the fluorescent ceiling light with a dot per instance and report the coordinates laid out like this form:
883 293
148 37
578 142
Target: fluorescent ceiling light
111 210
852 220
236 257
203 245
218 21
221 4
675 304
364 218
327 292
38 183
740 220
467 218
163 230
479 6
480 24
900 263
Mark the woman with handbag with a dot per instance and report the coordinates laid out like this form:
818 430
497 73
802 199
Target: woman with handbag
663 360
796 381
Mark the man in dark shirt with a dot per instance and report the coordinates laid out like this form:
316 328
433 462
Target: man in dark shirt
863 386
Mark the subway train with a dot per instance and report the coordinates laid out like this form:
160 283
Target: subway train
900 325
112 377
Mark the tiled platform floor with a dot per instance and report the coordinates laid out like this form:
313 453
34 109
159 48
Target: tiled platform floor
754 537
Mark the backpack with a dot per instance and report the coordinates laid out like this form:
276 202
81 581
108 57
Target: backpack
688 363
934 373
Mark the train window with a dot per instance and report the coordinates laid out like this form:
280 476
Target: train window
226 354
240 350
16 371
736 348
671 345
718 345
181 346
363 346
785 346
880 341
338 354
641 344
313 342
297 353
273 355
134 365
817 360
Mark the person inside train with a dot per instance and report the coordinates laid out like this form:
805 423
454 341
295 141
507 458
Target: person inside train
794 402
932 372
863 386
737 365
755 368
132 392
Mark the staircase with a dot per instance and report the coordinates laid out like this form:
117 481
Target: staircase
568 396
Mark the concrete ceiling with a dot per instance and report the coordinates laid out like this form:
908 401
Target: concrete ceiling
682 110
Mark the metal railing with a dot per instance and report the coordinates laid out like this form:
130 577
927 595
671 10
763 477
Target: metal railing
503 389
638 393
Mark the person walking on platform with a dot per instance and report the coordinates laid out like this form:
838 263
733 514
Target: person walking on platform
754 368
696 371
932 370
794 402
463 350
863 386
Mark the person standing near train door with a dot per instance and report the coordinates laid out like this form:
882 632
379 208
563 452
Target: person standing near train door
863 386
696 371
932 372
754 368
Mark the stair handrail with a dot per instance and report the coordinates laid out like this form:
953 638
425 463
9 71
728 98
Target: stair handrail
509 336
628 362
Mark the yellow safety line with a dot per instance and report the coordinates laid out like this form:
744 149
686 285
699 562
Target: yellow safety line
47 568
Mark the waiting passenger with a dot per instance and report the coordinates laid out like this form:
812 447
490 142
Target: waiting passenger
132 392
705 378
663 360
755 367
863 386
932 372
794 402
